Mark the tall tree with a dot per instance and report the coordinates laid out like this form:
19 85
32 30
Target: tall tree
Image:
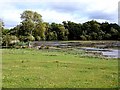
1 30
74 30
32 24
62 32
1 24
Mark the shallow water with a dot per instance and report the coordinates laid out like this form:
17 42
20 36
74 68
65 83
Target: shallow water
112 53
100 47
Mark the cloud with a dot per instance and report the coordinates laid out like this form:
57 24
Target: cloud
119 13
60 10
102 15
68 7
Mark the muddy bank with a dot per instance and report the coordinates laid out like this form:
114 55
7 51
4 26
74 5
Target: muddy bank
62 44
94 48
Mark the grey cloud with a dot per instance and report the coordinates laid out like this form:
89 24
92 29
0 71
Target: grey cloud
102 15
66 7
78 10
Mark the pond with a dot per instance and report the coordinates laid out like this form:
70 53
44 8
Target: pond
111 53
101 47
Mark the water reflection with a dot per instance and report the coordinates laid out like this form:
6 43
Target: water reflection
112 53
105 52
101 47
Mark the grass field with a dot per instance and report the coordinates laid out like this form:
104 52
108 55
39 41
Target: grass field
29 68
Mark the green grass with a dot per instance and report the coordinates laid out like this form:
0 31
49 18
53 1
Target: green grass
28 68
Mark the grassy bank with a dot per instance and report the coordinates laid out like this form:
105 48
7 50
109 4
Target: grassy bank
28 68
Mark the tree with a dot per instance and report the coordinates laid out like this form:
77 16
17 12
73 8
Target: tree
62 33
1 25
37 38
52 36
107 36
114 33
27 27
105 27
1 29
40 30
59 29
83 37
92 30
74 30
30 38
9 39
32 24
30 15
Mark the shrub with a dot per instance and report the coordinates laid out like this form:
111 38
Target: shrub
9 40
37 38
31 38
47 47
41 47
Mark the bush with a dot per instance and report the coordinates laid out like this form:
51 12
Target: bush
30 38
21 45
17 47
9 40
37 38
41 47
83 37
47 47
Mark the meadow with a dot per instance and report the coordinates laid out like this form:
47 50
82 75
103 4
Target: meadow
32 68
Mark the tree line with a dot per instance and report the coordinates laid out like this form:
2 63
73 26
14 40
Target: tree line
33 28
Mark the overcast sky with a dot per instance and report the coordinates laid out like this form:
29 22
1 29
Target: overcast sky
78 11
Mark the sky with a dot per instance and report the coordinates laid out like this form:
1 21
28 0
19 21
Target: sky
78 11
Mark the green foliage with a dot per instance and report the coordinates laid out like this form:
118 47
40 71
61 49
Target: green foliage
47 47
1 25
40 30
108 36
30 38
74 30
37 38
52 36
62 33
30 15
33 25
9 40
83 37
57 32
41 47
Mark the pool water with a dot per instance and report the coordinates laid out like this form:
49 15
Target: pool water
112 53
